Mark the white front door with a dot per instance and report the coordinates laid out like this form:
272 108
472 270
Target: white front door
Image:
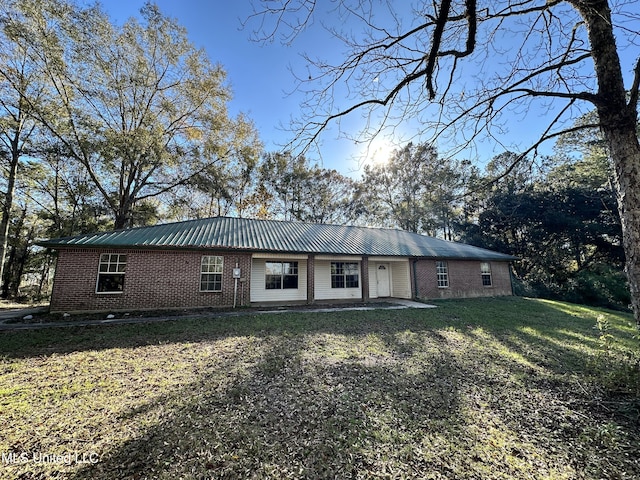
382 273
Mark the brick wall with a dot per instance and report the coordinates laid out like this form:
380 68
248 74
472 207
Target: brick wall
364 272
311 279
153 279
465 280
158 279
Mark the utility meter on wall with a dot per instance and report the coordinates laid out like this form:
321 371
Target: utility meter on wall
236 273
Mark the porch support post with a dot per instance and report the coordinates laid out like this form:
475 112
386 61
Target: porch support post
364 266
311 267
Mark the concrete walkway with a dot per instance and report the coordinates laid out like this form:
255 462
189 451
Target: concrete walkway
395 304
411 304
9 313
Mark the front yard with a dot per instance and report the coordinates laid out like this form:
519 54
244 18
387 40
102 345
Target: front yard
489 388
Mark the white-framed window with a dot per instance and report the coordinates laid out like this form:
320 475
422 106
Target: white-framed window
281 275
345 275
211 273
485 270
442 274
111 271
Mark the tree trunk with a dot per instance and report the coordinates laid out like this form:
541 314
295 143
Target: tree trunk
124 213
618 121
625 152
6 210
22 258
44 276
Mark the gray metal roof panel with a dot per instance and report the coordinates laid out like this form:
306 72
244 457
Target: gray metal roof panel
278 236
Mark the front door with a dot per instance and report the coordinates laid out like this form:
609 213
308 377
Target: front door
384 288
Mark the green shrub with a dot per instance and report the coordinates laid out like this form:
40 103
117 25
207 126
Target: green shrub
600 286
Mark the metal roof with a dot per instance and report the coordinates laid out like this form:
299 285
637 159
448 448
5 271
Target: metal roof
278 236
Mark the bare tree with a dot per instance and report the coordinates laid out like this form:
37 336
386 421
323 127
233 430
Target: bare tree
464 69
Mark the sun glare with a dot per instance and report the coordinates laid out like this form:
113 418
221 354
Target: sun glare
378 151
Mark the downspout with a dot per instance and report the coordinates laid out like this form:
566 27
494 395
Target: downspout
511 278
235 289
415 280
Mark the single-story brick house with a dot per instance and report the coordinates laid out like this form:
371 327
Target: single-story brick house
225 261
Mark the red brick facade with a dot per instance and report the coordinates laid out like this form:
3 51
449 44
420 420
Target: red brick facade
465 280
364 268
156 279
153 279
311 278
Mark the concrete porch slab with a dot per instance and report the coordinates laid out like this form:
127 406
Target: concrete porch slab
410 303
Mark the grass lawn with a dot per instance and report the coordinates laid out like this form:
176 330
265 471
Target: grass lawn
483 389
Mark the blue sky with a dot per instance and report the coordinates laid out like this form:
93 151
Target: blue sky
259 75
262 82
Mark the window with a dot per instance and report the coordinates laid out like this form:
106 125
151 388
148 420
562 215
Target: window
485 269
344 275
442 273
211 273
281 275
111 272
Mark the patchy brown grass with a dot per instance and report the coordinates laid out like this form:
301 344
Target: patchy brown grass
505 388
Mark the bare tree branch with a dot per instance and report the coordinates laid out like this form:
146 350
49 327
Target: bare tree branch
523 155
441 23
557 58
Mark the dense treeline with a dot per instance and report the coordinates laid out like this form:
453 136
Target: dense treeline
557 214
105 126
564 226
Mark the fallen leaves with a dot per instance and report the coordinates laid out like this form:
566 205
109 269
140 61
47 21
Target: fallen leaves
393 395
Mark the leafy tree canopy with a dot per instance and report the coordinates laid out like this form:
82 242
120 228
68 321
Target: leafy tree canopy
142 110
